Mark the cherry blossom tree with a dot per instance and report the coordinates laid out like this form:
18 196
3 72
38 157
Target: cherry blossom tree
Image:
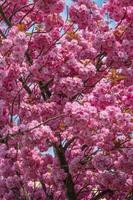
66 84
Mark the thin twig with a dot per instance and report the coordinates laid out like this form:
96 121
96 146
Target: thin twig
6 20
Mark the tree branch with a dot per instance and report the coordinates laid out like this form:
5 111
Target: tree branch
25 86
68 143
44 90
68 182
48 196
102 194
6 20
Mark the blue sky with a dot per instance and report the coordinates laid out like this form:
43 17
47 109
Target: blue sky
99 2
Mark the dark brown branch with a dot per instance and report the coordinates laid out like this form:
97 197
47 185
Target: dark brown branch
82 189
18 10
14 99
3 3
124 16
49 196
25 86
68 143
20 132
27 13
68 182
42 123
2 34
44 90
16 193
6 20
28 57
102 194
99 60
129 195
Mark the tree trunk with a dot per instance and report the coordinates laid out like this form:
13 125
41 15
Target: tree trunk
68 182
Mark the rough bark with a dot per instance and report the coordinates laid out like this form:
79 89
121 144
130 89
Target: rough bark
68 182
